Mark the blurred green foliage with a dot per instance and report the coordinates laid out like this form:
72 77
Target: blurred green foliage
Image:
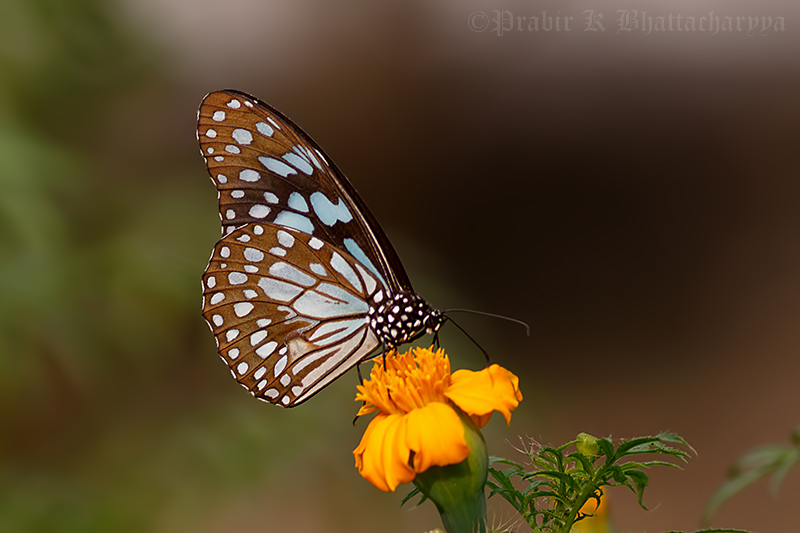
105 423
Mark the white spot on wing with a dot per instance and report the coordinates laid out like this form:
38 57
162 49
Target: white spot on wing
331 332
297 202
259 211
237 278
264 129
329 301
280 366
266 350
249 174
278 167
343 267
257 337
218 116
369 281
328 212
234 104
242 309
356 251
279 290
291 273
211 134
270 198
285 239
242 136
294 220
318 269
315 243
253 255
299 162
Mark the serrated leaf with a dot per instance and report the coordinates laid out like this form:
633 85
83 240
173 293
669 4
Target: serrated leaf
647 464
560 476
624 447
669 436
640 480
501 477
500 460
617 474
585 462
607 449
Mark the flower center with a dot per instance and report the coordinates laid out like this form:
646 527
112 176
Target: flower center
411 380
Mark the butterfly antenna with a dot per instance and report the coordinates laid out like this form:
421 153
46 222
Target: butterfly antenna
485 353
509 319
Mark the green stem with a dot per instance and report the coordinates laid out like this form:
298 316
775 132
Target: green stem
582 498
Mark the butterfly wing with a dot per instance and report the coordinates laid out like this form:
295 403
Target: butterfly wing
289 311
266 169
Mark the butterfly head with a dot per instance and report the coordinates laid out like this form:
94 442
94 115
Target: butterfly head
433 321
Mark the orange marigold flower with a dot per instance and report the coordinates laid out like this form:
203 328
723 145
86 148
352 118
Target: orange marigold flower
418 424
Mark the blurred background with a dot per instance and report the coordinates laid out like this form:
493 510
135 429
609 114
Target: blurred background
632 195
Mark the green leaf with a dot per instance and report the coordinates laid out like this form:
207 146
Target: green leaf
500 460
411 494
640 481
791 458
607 449
730 488
668 436
586 463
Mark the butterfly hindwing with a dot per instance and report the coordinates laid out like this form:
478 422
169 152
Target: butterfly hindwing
289 311
266 169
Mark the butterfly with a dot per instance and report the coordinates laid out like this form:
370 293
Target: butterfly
304 283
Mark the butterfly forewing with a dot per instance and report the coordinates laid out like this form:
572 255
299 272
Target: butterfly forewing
288 310
266 169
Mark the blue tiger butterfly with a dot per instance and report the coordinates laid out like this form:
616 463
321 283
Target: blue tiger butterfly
304 283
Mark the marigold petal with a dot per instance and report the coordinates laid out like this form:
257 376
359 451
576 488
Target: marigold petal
479 393
436 435
382 455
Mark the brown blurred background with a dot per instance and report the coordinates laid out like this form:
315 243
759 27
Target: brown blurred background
632 196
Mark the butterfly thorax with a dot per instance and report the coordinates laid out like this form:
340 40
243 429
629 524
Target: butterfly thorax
399 318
